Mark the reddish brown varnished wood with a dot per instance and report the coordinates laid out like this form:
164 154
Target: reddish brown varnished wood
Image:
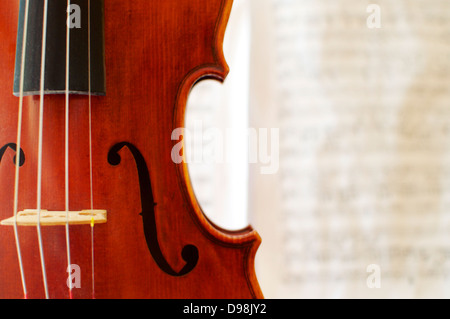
155 52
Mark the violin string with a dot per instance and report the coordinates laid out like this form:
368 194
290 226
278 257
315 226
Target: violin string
67 147
41 124
91 186
19 138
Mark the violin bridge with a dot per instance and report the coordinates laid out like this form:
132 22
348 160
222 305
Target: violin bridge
29 217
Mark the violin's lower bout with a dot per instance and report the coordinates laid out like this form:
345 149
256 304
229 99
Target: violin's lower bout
156 242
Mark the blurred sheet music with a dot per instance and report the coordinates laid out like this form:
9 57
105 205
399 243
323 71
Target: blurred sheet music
364 118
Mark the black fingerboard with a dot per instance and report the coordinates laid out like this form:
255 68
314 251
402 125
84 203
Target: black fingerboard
55 58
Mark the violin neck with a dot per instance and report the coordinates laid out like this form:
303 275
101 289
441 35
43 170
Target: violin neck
85 67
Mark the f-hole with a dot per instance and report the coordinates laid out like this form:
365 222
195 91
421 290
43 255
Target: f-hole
189 252
14 148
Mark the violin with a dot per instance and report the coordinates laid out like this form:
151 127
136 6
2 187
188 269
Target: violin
92 203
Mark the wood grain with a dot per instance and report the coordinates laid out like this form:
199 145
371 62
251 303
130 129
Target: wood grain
155 52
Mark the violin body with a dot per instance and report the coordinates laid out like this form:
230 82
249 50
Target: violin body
157 242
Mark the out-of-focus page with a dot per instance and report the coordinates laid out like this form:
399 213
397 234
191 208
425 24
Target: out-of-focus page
360 90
